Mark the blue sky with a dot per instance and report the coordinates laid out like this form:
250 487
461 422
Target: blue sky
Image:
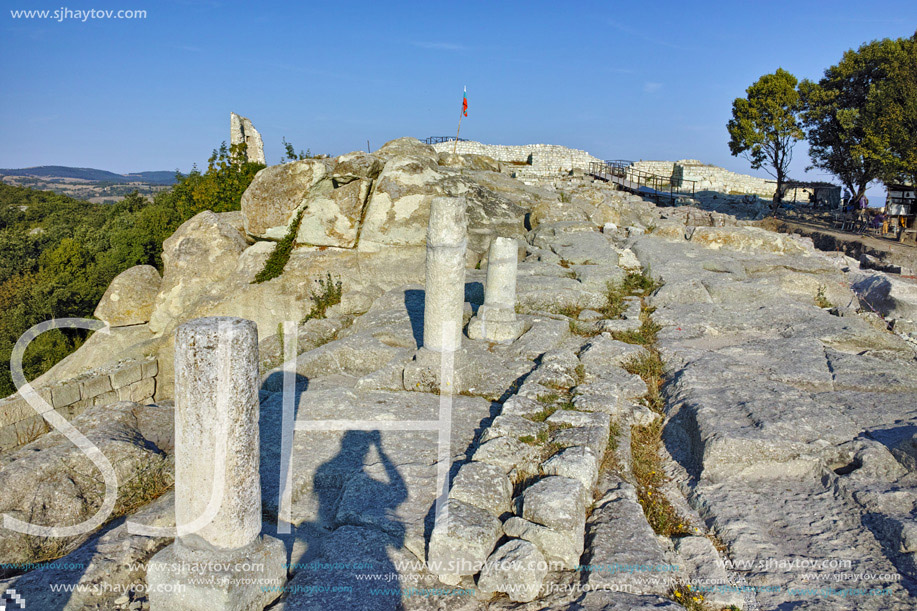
632 80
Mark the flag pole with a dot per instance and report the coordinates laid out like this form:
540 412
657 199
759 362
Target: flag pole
455 144
461 113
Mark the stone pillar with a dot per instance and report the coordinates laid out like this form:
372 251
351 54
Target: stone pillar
444 297
496 319
219 556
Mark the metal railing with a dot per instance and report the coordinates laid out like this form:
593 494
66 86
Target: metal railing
622 172
440 139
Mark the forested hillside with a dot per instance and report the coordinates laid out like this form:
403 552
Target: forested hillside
58 254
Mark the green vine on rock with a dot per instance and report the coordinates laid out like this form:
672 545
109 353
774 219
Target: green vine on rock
275 263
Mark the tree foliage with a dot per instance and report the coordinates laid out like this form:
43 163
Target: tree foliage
764 125
844 115
290 153
58 254
898 123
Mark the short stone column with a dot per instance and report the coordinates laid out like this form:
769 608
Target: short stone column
219 561
444 290
496 319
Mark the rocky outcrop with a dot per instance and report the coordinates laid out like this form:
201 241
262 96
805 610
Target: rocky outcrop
278 191
787 414
887 295
241 131
201 253
333 219
130 297
50 482
396 214
372 202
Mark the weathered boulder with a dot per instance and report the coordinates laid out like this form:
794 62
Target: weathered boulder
50 482
748 239
355 166
556 502
483 485
273 196
452 160
462 540
576 462
517 569
618 534
887 295
556 546
202 252
129 298
406 147
333 219
399 208
489 214
483 163
114 562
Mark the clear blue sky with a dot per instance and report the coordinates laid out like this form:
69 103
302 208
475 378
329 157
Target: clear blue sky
633 80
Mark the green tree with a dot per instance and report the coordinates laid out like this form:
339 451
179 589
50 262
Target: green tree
844 114
290 153
58 255
898 123
764 126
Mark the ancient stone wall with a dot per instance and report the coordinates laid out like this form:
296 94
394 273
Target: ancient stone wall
708 177
659 168
131 380
539 159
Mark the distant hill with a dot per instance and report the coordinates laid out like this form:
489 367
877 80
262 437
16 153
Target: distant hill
162 177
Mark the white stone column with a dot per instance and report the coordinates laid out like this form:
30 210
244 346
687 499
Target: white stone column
496 319
217 479
444 296
217 483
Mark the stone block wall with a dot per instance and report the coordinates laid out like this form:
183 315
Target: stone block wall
540 159
659 168
708 177
131 380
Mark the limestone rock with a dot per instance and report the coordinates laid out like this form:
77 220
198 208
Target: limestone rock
748 239
406 147
517 569
276 192
203 251
483 485
513 426
50 482
489 214
349 559
241 131
602 353
555 546
333 219
887 295
619 533
355 166
506 453
703 564
577 462
114 561
555 502
130 296
399 207
483 163
462 539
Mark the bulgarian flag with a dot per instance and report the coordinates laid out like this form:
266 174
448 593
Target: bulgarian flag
465 101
